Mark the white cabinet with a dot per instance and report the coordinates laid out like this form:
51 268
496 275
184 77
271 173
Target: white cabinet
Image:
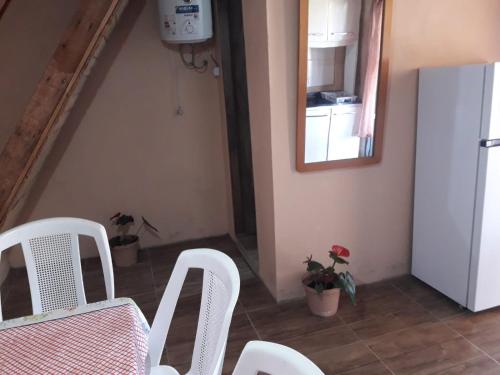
318 20
317 129
333 23
343 20
329 133
342 144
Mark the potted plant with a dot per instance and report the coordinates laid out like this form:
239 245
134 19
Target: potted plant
323 285
124 246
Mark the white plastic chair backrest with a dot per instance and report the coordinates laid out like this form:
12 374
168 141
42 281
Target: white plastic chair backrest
273 359
52 254
221 287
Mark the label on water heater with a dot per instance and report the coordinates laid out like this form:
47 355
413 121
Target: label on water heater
182 9
185 21
187 17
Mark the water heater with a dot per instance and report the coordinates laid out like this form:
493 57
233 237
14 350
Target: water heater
185 21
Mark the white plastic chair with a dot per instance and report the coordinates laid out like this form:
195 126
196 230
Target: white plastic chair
52 255
273 359
221 286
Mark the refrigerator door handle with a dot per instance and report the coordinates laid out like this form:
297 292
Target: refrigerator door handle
489 143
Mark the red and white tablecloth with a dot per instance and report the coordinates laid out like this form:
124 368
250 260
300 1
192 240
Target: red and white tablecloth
108 337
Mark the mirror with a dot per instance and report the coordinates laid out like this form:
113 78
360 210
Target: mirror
343 68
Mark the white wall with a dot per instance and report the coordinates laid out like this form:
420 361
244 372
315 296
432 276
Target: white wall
320 67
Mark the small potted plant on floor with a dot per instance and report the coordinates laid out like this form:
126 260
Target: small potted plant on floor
323 285
124 246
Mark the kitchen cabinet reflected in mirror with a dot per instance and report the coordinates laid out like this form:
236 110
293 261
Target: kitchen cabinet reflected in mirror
342 74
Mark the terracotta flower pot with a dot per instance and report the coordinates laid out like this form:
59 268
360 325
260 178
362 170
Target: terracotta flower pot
323 304
125 255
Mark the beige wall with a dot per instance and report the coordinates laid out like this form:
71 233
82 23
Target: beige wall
366 209
254 12
29 33
124 149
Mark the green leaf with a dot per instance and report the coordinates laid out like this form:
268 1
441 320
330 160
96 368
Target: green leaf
342 261
124 219
347 282
330 270
115 216
313 266
319 288
350 280
149 225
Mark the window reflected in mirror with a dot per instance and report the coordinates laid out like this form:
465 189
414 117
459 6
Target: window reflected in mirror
339 80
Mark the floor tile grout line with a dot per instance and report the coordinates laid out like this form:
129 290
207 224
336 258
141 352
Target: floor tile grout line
153 277
343 321
438 320
447 368
397 331
410 297
379 358
446 323
402 293
365 344
471 343
415 300
157 293
253 325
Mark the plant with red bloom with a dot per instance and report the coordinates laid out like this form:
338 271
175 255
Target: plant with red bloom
339 251
323 278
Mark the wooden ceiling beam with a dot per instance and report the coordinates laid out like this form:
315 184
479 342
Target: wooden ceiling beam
3 6
27 147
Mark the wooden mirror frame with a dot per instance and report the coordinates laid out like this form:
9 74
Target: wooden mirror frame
302 96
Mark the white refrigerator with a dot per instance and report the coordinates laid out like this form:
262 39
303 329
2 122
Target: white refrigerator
456 223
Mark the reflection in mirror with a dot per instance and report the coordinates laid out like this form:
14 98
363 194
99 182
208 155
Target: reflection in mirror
340 81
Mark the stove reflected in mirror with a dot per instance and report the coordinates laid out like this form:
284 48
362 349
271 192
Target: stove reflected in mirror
342 81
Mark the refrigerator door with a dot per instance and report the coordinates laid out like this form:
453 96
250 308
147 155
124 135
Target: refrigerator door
490 128
484 284
484 278
449 125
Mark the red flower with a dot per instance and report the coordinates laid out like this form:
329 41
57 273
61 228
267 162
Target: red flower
340 251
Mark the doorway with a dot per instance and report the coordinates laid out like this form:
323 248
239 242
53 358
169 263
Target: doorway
233 61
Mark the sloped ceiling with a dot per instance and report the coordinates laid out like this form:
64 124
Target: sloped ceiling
55 95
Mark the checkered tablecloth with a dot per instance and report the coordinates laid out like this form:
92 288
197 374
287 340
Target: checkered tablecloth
108 337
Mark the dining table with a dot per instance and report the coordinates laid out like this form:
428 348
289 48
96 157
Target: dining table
106 337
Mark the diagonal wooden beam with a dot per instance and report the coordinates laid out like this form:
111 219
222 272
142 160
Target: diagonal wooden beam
54 96
3 6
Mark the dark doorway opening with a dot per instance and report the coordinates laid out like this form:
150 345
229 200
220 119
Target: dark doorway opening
232 46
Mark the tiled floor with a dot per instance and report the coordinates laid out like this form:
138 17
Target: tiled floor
399 326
